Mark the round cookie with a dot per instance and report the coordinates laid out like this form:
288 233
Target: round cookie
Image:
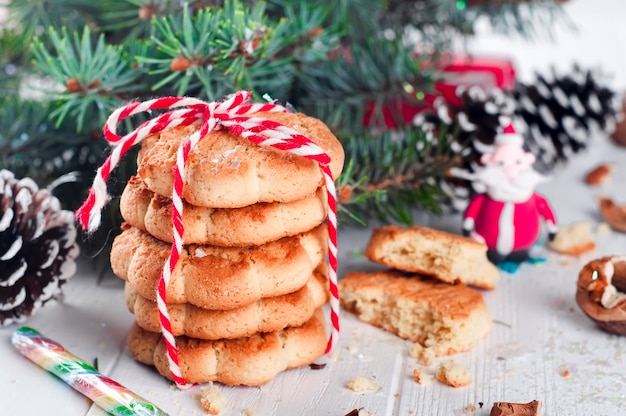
229 171
249 361
447 318
265 315
228 227
219 278
600 293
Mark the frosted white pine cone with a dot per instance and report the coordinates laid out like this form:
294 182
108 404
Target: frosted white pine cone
37 247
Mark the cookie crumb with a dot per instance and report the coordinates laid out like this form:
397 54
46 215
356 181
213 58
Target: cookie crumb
212 399
363 384
422 377
425 356
249 412
470 408
453 374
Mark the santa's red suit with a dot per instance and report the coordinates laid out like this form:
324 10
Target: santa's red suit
509 226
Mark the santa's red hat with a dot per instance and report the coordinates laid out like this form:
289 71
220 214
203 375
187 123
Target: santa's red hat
509 137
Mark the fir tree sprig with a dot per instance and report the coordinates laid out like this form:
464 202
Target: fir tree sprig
130 20
211 52
90 81
439 22
184 58
374 77
403 171
333 60
32 18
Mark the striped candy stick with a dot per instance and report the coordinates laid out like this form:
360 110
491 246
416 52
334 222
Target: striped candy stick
235 115
106 393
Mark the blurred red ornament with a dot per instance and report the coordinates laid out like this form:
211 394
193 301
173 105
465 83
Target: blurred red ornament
459 70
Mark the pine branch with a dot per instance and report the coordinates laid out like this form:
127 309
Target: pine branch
214 51
333 60
438 22
389 175
532 20
95 79
33 17
376 75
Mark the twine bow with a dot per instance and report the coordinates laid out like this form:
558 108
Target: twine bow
238 116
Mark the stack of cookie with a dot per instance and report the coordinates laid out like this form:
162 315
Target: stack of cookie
424 297
245 297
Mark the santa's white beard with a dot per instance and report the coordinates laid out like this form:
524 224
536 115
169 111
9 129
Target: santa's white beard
501 188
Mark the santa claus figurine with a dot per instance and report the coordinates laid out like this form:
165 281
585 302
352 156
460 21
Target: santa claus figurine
507 216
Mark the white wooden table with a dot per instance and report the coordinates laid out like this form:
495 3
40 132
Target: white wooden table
539 333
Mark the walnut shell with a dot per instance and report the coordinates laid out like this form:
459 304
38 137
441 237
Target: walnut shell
611 320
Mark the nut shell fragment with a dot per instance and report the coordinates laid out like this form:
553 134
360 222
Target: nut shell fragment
614 214
516 409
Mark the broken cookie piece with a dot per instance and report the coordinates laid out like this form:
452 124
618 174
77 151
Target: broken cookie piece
516 409
444 256
421 377
453 374
362 384
443 318
212 399
424 356
573 239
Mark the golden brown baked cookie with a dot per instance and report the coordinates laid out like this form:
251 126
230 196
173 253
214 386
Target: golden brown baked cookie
249 361
229 171
265 315
445 256
446 318
219 278
600 293
228 227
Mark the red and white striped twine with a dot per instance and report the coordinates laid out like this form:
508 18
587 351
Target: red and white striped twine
236 115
